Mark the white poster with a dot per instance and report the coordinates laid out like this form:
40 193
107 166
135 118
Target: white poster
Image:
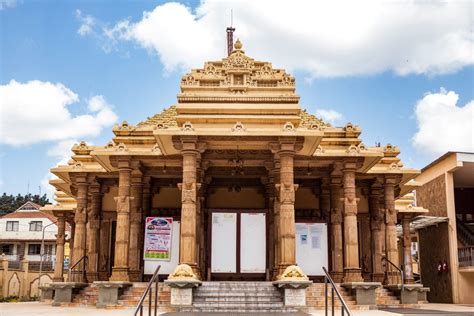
158 232
312 247
167 267
224 246
252 243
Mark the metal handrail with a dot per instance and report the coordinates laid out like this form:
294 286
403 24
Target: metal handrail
85 259
399 270
149 291
344 306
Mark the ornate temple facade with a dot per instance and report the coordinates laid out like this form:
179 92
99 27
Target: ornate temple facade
236 142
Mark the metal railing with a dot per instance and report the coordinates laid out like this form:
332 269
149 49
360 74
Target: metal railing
402 276
466 256
148 291
344 307
73 274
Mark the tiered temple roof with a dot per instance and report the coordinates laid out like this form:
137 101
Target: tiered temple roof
234 98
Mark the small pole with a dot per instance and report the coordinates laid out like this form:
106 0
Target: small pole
42 253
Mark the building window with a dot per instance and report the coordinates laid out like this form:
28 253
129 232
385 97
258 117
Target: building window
36 226
34 249
12 226
7 249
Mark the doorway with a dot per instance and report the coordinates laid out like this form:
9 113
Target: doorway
238 248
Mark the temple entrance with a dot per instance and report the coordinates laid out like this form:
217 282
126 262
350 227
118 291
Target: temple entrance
238 245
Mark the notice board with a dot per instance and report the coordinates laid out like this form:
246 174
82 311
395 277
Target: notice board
252 243
167 264
312 247
224 246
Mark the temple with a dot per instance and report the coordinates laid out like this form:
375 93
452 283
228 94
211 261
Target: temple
257 188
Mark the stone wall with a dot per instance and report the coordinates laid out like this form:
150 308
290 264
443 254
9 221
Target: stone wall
434 247
21 282
432 196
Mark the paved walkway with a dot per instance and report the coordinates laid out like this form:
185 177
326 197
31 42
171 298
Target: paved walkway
37 308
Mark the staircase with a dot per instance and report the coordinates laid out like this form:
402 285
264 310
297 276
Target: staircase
386 298
315 297
465 233
237 297
132 295
86 297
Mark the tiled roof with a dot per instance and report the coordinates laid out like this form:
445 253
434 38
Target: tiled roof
33 214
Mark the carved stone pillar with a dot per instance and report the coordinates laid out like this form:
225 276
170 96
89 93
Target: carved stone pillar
93 226
104 251
60 239
135 226
71 240
352 272
270 236
337 264
391 244
286 194
120 270
378 231
325 199
80 218
146 211
276 218
189 188
407 260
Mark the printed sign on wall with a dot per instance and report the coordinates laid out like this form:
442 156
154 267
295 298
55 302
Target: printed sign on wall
158 232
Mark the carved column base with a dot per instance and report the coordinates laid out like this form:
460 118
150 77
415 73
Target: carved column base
135 275
352 275
92 276
103 276
337 276
392 278
378 277
120 274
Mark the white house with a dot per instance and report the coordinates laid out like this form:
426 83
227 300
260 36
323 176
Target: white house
21 233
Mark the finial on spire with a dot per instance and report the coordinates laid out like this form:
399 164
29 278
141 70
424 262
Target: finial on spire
238 45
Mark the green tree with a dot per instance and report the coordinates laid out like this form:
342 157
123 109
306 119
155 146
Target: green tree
10 203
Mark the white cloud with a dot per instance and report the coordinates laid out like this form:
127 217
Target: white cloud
5 4
329 115
38 111
443 125
322 38
87 23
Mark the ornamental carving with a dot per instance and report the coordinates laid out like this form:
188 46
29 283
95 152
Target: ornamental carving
289 127
123 204
187 127
121 148
336 216
237 71
163 120
350 206
286 193
391 216
238 127
293 273
319 150
157 150
182 272
353 150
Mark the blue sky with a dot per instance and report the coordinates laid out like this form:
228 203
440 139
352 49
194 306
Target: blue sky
132 70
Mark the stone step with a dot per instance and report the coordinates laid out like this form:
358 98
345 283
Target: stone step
237 299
